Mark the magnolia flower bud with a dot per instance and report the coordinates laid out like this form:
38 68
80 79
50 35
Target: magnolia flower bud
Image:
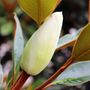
41 46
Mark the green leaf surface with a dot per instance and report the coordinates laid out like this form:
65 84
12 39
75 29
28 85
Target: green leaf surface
82 44
75 74
1 76
67 40
38 9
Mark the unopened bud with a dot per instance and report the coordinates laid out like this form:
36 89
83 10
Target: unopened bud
41 46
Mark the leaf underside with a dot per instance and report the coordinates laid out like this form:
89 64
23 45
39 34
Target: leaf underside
75 74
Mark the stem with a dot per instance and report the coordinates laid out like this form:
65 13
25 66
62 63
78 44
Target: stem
49 85
89 12
20 82
54 76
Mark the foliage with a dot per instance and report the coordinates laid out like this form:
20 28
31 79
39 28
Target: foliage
39 49
75 74
38 10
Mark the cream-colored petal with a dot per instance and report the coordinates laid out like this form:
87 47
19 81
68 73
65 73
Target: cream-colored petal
41 46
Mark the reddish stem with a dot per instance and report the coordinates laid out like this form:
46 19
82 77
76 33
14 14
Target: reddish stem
53 77
49 85
89 12
20 82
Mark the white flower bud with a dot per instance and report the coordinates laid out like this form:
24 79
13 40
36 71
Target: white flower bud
41 46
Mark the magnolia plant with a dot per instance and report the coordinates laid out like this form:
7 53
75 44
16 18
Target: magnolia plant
36 54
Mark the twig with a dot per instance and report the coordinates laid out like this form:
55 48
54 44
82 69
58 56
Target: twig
49 85
19 83
53 77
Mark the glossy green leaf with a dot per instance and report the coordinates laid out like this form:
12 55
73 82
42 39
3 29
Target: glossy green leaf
75 74
67 40
82 44
1 76
38 9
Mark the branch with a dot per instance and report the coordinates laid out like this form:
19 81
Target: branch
54 76
49 85
20 82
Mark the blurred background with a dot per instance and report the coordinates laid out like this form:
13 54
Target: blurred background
75 14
